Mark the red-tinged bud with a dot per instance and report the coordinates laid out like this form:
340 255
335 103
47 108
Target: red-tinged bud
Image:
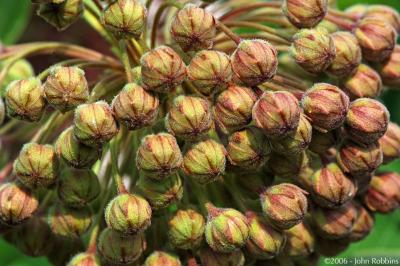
363 225
158 258
305 13
386 12
84 259
209 257
390 143
61 15
300 241
390 69
321 142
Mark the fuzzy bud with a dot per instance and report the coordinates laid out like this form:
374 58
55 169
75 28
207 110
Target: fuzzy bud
162 258
300 241
363 225
390 69
321 142
84 259
390 143
386 12
305 13
288 167
61 15
209 257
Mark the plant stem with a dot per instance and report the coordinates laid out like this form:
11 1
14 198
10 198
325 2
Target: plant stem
49 125
114 160
260 27
222 27
344 24
125 61
235 12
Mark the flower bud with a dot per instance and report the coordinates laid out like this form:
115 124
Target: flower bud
66 88
226 229
376 37
205 161
313 49
232 109
277 113
209 257
84 259
331 248
328 26
189 117
17 204
284 205
186 229
248 148
300 241
363 225
389 70
120 250
162 70
128 214
326 106
254 62
357 11
64 249
193 28
288 167
366 121
162 258
305 14
125 19
365 82
264 241
161 194
24 100
159 156
386 12
390 143
348 54
61 15
2 111
94 124
321 142
74 153
359 160
134 107
78 188
210 71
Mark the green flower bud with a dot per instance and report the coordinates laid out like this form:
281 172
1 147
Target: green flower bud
193 28
24 99
61 15
328 26
2 111
389 70
313 49
390 143
300 241
264 241
134 107
210 71
305 13
161 194
128 214
162 70
162 258
232 109
248 148
94 124
17 204
209 257
288 167
376 37
386 12
205 161
21 69
159 156
186 229
69 222
321 142
78 188
363 225
74 153
120 250
357 160
366 121
125 19
331 248
66 88
84 259
189 117
277 113
226 229
326 106
357 11
254 62
36 165
64 249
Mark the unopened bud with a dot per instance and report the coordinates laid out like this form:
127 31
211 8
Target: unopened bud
305 14
389 70
390 143
363 225
209 257
321 142
162 258
386 12
357 11
61 15
84 259
300 241
288 167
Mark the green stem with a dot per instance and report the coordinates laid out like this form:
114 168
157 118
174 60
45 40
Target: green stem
200 195
248 8
279 33
7 127
126 61
235 193
222 27
48 126
114 160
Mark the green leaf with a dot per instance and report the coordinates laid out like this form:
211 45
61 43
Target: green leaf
14 16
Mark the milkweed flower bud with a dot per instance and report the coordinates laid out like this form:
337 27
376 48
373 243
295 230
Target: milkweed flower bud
61 15
17 204
365 82
284 205
159 156
376 37
78 188
321 142
193 28
24 99
288 167
134 107
186 229
305 14
210 71
211 258
84 259
36 165
264 241
189 117
128 214
366 121
300 241
233 107
254 62
74 153
363 225
126 19
226 229
326 106
386 12
162 70
66 88
248 148
120 250
205 161
313 49
277 113
357 11
162 258
94 124
390 143
389 70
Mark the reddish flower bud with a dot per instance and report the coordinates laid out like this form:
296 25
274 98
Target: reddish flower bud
162 258
305 13
84 259
363 225
390 69
209 257
300 241
390 143
386 12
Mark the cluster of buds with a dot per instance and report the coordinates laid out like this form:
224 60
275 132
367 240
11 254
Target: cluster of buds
195 144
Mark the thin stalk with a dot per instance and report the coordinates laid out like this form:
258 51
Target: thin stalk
49 125
200 195
235 193
222 27
125 60
285 81
260 27
7 127
6 171
114 161
247 8
342 14
259 35
344 24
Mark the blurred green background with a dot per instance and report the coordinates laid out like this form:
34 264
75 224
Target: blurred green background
385 238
